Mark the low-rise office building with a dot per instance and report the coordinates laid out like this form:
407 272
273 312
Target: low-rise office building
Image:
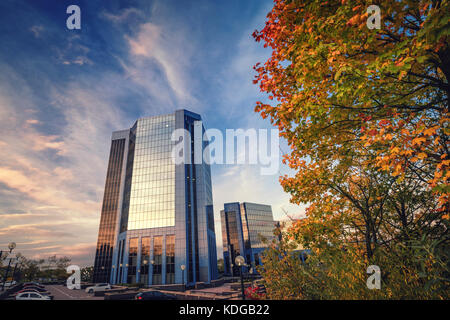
247 229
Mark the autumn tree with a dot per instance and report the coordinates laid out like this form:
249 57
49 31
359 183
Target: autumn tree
339 84
365 112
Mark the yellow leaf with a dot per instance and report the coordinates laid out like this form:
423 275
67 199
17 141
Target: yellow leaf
430 131
422 155
418 140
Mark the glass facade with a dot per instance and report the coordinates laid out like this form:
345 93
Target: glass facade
170 259
132 260
258 224
164 213
145 259
152 197
230 237
106 234
245 228
157 260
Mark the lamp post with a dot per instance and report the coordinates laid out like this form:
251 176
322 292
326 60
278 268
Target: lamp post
11 247
183 267
240 261
114 275
145 271
152 262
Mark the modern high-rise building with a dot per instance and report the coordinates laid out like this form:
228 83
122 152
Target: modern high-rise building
245 228
157 215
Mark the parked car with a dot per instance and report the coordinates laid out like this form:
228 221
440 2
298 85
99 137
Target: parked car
31 283
32 296
39 289
98 288
154 295
10 284
47 293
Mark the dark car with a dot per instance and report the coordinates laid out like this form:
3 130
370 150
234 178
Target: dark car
32 284
154 295
38 289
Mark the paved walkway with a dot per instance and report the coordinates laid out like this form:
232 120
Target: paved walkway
61 292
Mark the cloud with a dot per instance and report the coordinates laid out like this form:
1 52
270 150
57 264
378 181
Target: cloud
81 254
32 121
162 49
73 51
37 30
57 115
123 16
55 181
80 60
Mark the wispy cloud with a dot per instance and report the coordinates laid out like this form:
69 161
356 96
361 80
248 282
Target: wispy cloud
37 30
62 93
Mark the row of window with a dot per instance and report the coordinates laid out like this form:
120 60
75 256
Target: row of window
151 223
155 147
151 263
152 216
150 204
149 183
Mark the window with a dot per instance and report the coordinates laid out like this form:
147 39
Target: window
132 260
170 259
145 259
157 260
152 192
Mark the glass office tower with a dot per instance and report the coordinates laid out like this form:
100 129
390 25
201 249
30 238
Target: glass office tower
156 215
245 229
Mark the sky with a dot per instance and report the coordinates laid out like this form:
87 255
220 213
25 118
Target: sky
63 92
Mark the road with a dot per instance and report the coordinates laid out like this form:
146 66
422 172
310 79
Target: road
61 292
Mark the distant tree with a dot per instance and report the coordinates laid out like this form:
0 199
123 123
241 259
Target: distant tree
87 274
220 266
30 269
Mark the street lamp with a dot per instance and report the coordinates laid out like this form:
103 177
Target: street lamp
240 261
183 267
152 262
11 247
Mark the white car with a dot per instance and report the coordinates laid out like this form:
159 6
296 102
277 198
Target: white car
10 283
32 296
98 288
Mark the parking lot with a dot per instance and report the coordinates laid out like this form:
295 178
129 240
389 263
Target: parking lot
60 292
